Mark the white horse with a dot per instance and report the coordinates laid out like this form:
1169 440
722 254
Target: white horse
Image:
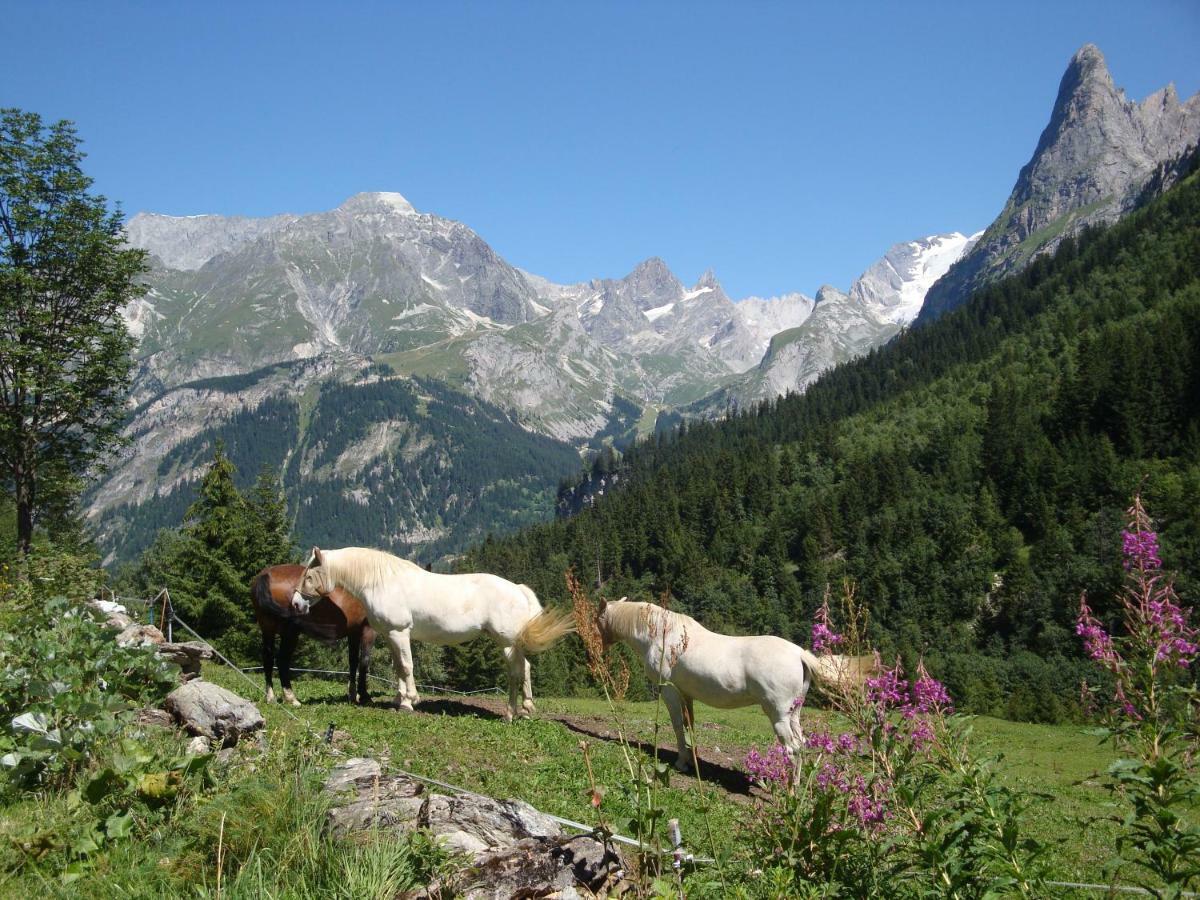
693 663
403 601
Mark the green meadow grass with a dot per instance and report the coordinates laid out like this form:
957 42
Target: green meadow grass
540 761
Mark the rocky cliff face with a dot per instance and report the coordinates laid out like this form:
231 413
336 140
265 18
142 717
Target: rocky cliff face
1091 165
250 327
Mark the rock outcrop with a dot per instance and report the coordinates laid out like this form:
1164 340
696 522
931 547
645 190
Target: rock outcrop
515 850
1092 165
210 711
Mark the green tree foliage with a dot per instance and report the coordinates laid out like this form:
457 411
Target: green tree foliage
456 465
64 349
207 564
970 477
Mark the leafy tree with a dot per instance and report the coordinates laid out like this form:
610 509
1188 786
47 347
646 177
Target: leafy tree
271 531
64 349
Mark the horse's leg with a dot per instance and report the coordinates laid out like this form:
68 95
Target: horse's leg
286 650
513 657
267 627
527 689
786 722
674 700
366 640
353 642
406 691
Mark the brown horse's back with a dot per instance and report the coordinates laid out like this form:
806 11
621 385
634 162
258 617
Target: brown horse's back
273 588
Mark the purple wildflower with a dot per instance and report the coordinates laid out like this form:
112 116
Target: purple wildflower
1096 641
824 638
774 768
831 776
847 742
928 695
921 735
865 804
820 740
1140 549
888 689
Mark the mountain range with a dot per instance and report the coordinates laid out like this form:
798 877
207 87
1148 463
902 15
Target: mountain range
241 312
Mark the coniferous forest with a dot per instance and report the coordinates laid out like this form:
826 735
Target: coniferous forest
968 479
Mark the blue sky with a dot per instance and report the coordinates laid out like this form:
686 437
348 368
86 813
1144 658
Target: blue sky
783 145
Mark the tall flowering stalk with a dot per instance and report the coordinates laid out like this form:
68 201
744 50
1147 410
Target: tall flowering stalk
1152 713
892 803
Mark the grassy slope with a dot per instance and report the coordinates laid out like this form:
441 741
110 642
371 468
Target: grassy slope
540 761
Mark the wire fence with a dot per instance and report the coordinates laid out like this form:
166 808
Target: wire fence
163 601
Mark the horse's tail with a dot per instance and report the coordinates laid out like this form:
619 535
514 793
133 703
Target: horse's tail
545 629
839 671
260 593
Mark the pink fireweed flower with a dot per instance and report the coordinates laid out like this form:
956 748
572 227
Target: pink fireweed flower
866 803
774 768
888 689
1096 641
831 777
847 742
820 740
1140 549
928 696
921 735
824 638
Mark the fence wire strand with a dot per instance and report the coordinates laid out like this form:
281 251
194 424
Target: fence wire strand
570 823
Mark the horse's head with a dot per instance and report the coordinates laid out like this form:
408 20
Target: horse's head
604 615
315 583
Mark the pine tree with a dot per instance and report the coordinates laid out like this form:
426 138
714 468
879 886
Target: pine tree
271 534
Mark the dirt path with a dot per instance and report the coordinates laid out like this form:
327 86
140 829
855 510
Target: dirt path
719 766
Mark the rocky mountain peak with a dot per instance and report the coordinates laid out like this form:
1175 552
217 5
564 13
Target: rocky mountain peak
828 292
707 280
378 202
1091 165
651 283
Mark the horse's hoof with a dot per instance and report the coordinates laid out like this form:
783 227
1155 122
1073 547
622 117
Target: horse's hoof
270 695
525 714
683 767
407 707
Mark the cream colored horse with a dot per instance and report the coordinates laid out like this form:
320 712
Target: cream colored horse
404 602
693 663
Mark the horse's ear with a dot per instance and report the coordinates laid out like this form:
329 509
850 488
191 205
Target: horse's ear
317 558
602 607
623 599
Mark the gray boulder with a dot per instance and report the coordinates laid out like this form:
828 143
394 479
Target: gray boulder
574 867
211 711
137 635
474 824
188 655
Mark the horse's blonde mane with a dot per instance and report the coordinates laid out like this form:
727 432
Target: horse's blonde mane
361 567
628 618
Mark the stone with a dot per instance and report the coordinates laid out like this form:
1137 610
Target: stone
187 655
210 710
574 867
198 746
156 717
138 635
516 850
378 801
472 823
113 614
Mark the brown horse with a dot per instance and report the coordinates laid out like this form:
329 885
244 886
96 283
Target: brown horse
271 593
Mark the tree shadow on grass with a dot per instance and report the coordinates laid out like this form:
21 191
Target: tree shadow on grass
447 707
733 781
